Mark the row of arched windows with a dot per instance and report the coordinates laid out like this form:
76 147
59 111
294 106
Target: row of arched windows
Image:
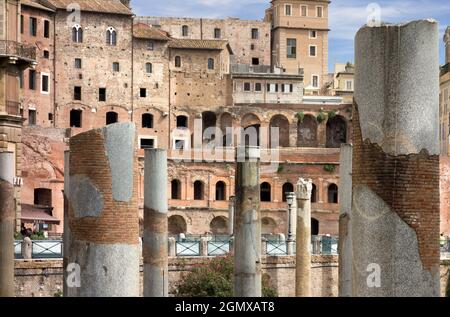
265 191
77 35
111 118
199 190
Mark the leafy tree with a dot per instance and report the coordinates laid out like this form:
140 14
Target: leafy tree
214 280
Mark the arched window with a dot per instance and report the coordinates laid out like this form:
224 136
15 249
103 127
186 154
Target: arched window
75 118
219 226
268 226
211 63
220 191
147 121
336 132
279 137
111 117
149 68
333 193
77 34
177 61
287 188
184 30
177 225
111 36
314 194
176 189
266 192
315 226
199 192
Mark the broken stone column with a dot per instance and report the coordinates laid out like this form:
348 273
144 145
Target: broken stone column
247 231
104 250
345 242
395 209
27 249
7 224
155 242
303 256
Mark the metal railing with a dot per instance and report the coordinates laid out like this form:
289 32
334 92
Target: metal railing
188 248
13 108
218 248
245 68
41 249
17 49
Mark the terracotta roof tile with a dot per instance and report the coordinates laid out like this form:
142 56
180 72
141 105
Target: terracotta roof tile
198 44
150 33
104 6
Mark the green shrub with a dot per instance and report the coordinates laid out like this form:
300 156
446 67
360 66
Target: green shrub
321 117
300 116
329 168
214 280
332 114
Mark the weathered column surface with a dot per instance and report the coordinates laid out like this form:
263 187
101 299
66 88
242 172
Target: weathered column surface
303 256
231 212
345 202
103 212
7 224
395 209
247 231
155 242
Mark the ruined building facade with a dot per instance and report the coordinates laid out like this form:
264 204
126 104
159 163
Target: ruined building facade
175 78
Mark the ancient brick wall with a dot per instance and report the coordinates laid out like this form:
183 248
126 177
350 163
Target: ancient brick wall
96 70
445 194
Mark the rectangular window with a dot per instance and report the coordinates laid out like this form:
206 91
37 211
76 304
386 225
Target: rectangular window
143 92
31 117
22 23
102 94
32 79
258 87
77 93
247 86
312 34
44 83
255 61
217 33
291 48
319 12
116 67
33 26
46 54
288 88
151 45
288 9
47 29
21 79
349 85
78 63
315 81
180 144
312 51
304 10
147 143
272 88
255 34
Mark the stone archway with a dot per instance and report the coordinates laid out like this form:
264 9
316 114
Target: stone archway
177 225
307 132
336 132
219 226
282 123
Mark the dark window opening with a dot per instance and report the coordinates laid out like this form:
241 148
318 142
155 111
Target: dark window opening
255 34
147 121
198 190
333 194
176 189
255 61
220 191
217 33
32 79
177 61
143 92
210 63
182 122
266 192
46 54
45 83
184 30
77 93
314 194
75 118
102 94
315 226
31 117
47 29
147 143
78 63
43 197
287 188
33 26
116 67
111 117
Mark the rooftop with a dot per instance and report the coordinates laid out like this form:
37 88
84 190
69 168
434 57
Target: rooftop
199 44
150 33
104 6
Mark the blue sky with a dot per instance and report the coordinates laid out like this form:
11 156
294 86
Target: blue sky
346 16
